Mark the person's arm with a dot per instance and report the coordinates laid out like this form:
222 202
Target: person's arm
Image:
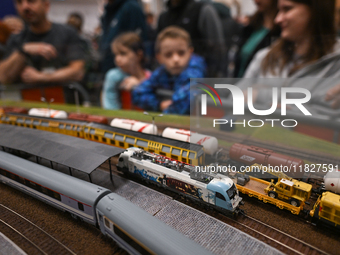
11 67
180 101
110 95
74 71
144 95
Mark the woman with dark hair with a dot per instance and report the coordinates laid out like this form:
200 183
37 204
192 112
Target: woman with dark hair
258 34
307 55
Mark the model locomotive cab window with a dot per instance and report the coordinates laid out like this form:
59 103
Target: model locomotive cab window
232 192
61 126
184 154
92 131
20 120
220 196
86 130
68 127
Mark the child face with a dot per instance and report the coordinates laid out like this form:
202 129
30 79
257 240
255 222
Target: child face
125 58
174 54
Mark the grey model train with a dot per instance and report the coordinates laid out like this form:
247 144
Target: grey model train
132 228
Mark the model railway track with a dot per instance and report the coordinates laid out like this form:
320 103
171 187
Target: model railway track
272 236
28 236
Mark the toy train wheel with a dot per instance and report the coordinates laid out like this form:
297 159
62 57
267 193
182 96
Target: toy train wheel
294 202
272 194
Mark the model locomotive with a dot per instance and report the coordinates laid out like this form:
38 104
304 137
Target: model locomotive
214 190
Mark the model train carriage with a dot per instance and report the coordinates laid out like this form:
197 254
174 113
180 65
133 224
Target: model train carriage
178 150
61 126
216 190
57 189
327 210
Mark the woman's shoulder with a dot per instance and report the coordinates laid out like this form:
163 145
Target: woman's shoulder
255 67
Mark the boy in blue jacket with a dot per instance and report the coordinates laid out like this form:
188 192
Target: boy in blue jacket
179 64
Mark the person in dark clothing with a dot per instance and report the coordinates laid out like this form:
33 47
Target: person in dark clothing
43 52
260 33
231 33
119 16
150 60
201 21
5 33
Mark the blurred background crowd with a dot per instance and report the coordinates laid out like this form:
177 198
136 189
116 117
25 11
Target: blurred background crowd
227 34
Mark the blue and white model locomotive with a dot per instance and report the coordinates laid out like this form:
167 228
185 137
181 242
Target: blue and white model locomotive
214 190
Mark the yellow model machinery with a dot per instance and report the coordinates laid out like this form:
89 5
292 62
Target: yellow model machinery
285 189
327 209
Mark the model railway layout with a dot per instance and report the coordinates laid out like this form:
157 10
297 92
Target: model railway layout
285 193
